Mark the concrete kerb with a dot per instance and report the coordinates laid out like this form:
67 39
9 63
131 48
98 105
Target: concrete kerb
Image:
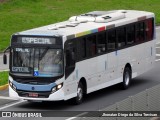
4 87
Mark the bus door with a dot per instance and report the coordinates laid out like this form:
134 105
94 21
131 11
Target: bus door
70 78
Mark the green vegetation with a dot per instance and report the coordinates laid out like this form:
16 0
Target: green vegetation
19 15
3 78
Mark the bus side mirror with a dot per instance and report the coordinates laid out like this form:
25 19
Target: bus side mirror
5 56
4 59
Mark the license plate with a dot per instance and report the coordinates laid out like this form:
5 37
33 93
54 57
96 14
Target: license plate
33 95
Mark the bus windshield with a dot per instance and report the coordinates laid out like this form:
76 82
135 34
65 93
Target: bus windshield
38 62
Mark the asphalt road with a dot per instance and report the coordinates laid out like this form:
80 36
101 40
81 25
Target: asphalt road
94 101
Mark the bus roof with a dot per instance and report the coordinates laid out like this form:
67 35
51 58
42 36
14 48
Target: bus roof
89 23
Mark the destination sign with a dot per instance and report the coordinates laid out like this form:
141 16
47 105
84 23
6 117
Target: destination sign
20 69
35 40
23 50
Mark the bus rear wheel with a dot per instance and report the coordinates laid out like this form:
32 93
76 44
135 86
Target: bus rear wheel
126 78
80 94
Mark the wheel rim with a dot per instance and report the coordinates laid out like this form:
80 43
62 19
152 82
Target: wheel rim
127 78
79 93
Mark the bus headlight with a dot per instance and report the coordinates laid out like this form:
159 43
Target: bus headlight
12 86
59 86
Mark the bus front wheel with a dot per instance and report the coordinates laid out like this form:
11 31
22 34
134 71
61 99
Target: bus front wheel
80 94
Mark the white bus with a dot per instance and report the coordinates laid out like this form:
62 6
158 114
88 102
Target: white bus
86 53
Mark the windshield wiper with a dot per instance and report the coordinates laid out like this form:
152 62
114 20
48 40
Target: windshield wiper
43 54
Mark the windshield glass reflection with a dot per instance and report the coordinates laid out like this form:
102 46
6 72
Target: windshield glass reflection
42 62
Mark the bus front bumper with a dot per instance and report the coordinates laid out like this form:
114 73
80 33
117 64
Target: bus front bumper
56 96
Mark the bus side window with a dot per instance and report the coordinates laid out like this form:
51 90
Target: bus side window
149 29
101 42
121 36
70 55
130 31
111 40
91 46
81 48
140 32
70 58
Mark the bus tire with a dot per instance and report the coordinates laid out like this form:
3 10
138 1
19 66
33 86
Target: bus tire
126 78
80 94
